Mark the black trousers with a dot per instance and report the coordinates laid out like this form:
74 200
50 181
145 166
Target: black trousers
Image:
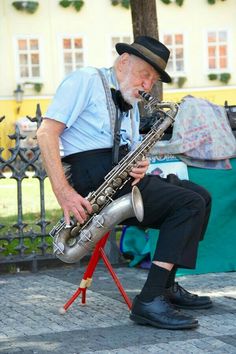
180 209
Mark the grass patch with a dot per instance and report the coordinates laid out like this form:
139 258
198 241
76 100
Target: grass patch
30 196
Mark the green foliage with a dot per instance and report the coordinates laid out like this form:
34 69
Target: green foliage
212 2
167 2
181 81
78 4
38 87
28 6
65 3
212 77
225 77
179 2
123 3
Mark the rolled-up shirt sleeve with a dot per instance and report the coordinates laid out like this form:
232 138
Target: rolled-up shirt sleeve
71 98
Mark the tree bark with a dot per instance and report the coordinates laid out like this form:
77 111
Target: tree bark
144 18
144 21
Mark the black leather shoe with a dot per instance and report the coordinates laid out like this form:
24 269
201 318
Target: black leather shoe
181 298
160 313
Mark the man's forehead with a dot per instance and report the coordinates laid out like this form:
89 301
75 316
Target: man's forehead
143 65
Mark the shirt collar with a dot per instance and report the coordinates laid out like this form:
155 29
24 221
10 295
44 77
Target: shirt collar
111 77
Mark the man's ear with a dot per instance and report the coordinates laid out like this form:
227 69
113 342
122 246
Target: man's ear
124 60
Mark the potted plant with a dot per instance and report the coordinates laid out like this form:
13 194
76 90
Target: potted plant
28 6
124 3
179 2
77 4
225 77
212 77
38 86
181 81
167 2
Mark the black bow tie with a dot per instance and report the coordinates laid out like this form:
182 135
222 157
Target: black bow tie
119 101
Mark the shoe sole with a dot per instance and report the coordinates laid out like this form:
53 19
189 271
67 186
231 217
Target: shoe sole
145 321
200 307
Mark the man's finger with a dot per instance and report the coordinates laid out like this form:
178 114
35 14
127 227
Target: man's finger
67 217
87 205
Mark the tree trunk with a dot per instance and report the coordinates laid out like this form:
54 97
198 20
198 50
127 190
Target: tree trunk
144 20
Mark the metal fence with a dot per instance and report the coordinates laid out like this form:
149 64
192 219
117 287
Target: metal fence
20 242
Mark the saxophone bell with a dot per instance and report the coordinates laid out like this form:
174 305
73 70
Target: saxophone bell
125 207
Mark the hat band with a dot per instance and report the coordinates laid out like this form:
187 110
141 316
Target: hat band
146 52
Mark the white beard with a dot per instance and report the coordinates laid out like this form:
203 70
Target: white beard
127 91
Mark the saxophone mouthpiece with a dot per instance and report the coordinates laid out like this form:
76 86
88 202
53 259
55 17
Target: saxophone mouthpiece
145 95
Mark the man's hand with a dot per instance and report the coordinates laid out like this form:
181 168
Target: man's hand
139 171
73 203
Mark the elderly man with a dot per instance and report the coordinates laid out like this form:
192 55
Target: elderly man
78 130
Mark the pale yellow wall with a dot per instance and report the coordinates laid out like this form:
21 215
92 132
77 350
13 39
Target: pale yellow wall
217 96
7 126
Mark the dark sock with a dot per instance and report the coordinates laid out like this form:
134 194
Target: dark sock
155 283
171 280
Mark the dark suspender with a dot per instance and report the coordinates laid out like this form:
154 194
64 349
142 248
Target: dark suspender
116 115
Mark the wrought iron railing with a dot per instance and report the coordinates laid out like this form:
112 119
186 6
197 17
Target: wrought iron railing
19 242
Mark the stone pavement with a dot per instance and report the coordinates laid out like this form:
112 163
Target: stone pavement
30 321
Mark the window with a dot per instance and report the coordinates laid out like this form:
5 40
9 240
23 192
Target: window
217 51
175 43
117 39
73 55
28 59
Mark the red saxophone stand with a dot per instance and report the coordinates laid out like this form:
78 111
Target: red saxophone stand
97 254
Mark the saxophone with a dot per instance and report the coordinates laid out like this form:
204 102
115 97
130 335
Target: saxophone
71 243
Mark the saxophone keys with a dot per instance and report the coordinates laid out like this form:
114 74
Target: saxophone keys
117 182
95 208
124 175
85 236
99 220
74 232
101 200
109 191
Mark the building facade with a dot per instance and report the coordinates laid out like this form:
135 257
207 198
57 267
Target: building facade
40 45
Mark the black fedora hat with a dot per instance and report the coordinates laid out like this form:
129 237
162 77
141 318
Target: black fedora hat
150 50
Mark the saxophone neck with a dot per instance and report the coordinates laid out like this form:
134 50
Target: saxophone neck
153 104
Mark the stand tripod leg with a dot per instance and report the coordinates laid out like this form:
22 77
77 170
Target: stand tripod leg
87 277
115 278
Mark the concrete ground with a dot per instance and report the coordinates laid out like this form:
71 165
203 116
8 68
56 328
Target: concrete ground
30 321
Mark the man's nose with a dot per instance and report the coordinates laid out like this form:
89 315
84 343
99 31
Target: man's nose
147 85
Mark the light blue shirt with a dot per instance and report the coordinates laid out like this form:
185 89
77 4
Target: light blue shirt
80 103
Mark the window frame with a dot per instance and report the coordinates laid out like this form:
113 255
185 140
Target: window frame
30 79
217 70
73 36
177 74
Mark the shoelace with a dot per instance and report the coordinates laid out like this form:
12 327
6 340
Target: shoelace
177 287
